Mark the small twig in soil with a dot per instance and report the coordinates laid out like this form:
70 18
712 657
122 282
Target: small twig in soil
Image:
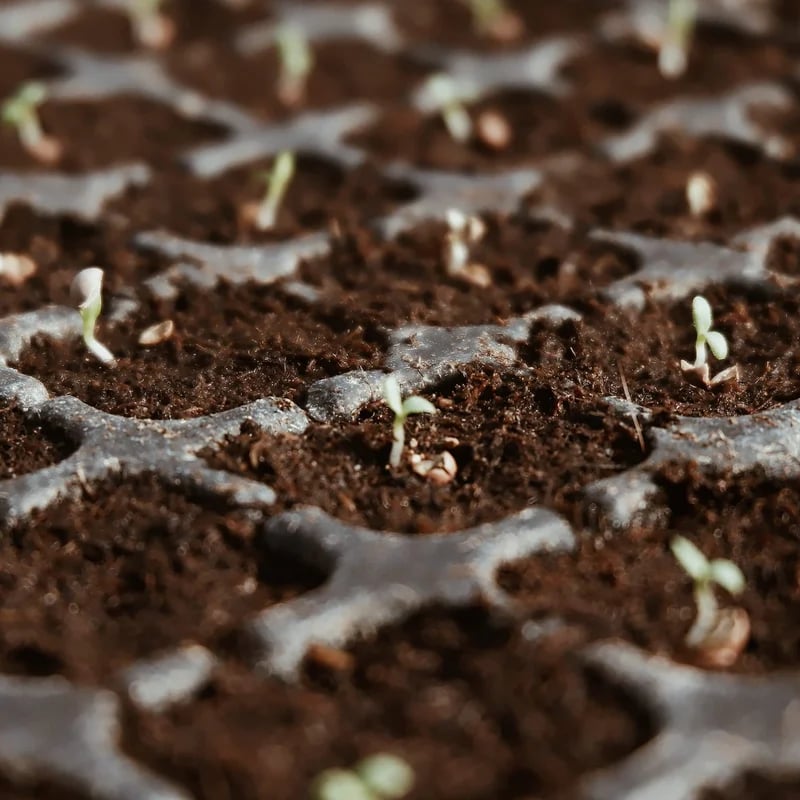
635 419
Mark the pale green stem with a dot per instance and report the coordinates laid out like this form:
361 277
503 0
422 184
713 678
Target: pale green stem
398 440
707 610
457 120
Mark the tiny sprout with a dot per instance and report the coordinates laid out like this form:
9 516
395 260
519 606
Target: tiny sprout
673 56
86 290
297 61
443 94
701 193
277 180
151 27
710 620
464 231
713 341
402 410
493 18
379 777
20 112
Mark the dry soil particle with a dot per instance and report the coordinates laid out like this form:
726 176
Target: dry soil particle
630 585
108 31
648 195
479 712
62 246
512 447
130 568
230 346
117 130
345 71
26 447
762 333
321 194
530 263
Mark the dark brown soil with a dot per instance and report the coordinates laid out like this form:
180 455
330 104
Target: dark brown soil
541 126
345 71
479 713
25 447
18 67
108 31
320 194
514 444
648 195
90 585
404 281
449 23
116 130
761 331
230 347
631 586
61 247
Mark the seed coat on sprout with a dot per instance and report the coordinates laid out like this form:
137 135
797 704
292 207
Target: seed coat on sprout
86 291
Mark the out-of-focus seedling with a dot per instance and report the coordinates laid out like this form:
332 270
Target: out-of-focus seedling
20 111
296 63
701 193
16 269
707 340
380 777
86 291
151 26
493 18
441 94
264 215
717 635
462 232
673 55
402 409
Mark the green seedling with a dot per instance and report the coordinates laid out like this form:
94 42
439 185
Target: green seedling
462 233
443 95
86 291
705 574
495 19
402 410
706 340
379 777
21 111
151 27
296 60
673 55
277 182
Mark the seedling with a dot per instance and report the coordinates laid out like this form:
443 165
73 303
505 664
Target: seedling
277 179
721 634
463 232
20 111
402 410
495 19
86 291
297 61
701 193
673 55
707 339
441 94
151 27
379 777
